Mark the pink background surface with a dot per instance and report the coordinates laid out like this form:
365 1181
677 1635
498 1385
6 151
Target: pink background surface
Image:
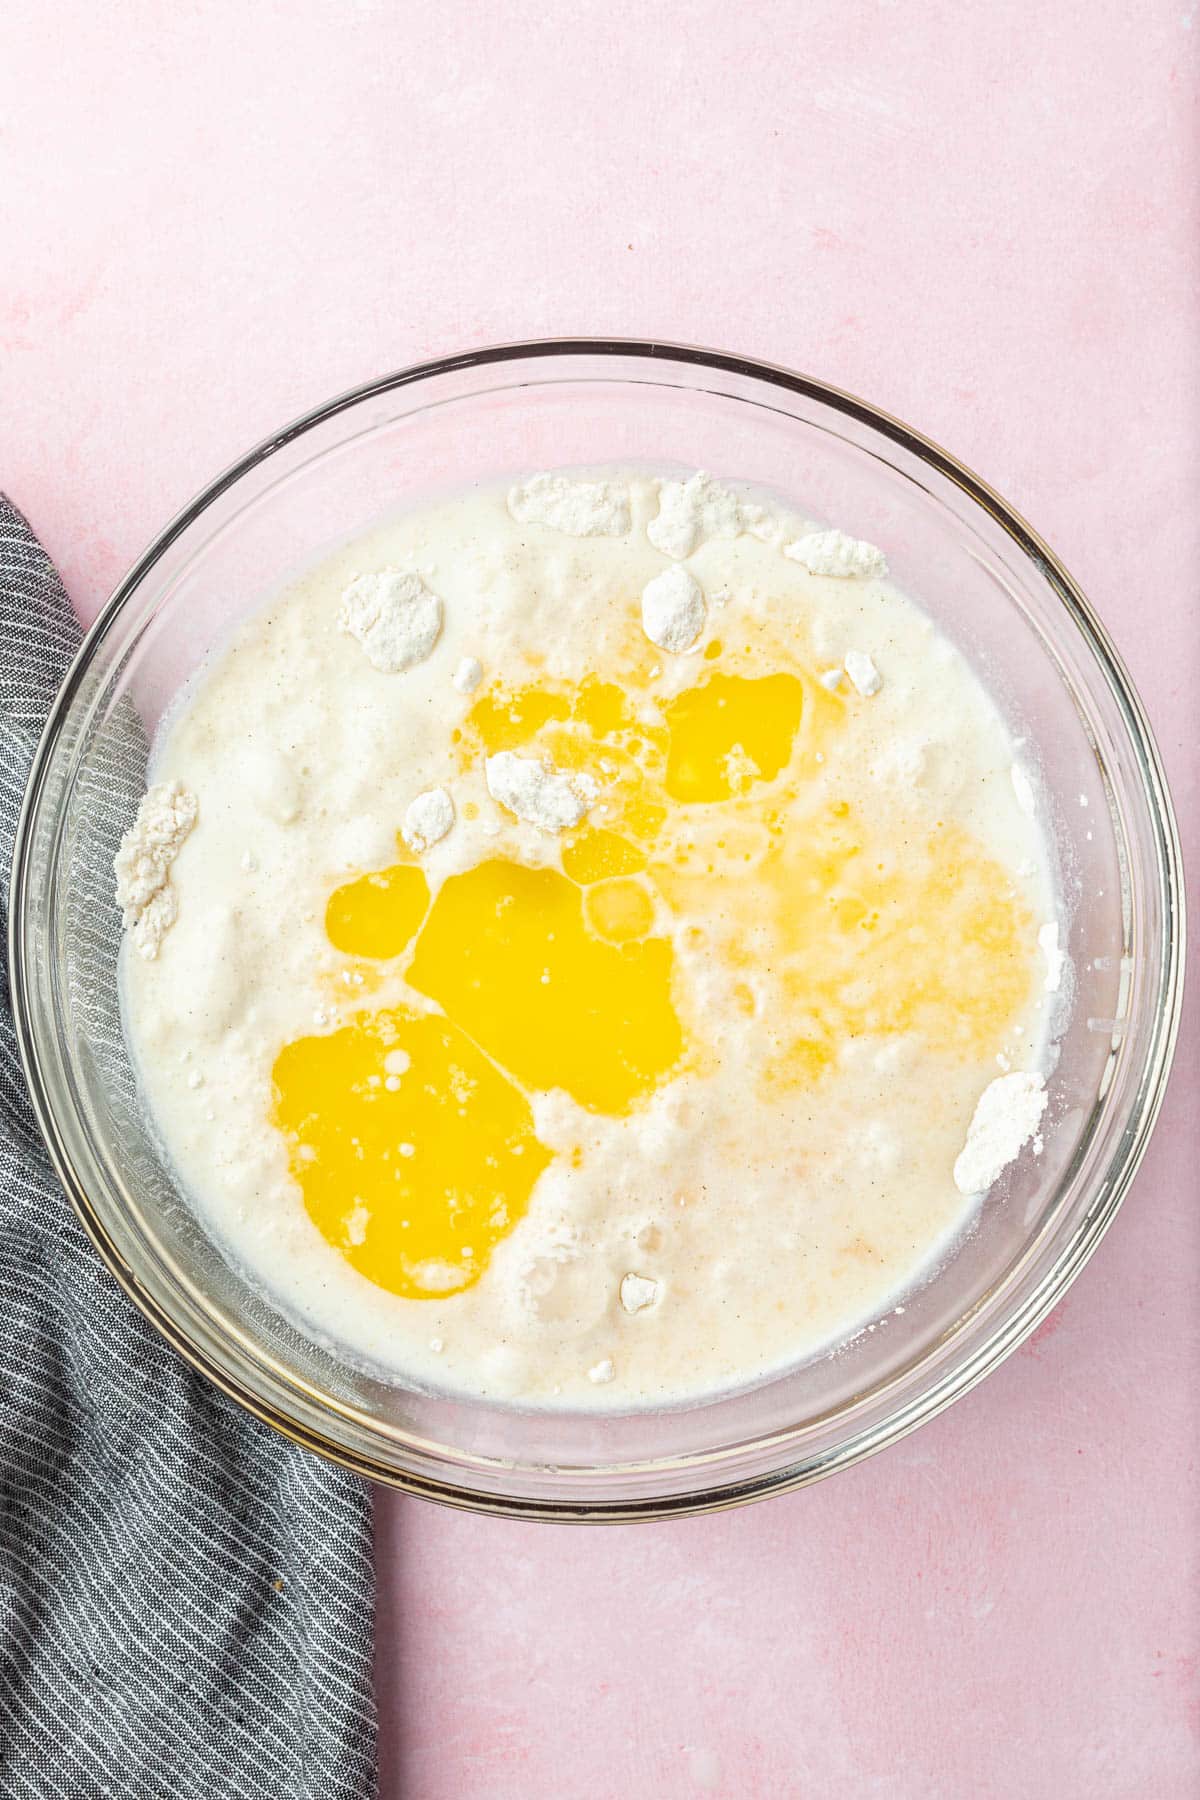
984 219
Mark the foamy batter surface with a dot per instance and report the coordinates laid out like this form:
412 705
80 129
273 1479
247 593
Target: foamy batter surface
606 904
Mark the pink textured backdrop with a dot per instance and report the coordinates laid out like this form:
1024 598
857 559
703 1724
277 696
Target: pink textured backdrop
983 218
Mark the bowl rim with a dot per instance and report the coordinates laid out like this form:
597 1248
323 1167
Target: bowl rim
1000 1343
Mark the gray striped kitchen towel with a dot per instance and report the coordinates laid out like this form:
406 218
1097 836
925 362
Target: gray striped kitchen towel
185 1598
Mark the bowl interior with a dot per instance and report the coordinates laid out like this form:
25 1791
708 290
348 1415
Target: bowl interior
989 586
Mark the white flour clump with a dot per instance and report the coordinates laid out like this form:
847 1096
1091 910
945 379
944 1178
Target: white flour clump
673 610
428 819
580 508
1054 955
834 553
1009 1112
394 616
143 863
638 1292
693 511
862 671
538 793
468 675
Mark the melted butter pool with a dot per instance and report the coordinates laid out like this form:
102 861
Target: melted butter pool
411 1134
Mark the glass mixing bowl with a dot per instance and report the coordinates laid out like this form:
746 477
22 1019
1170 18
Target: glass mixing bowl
994 588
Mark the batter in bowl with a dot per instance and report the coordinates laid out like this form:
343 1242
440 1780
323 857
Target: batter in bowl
590 942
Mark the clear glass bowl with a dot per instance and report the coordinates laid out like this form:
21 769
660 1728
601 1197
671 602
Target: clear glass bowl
993 586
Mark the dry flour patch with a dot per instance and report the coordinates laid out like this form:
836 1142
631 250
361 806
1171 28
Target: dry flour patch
1008 1114
394 616
637 1292
468 675
578 508
673 610
833 553
538 793
1048 938
428 819
143 863
693 512
862 671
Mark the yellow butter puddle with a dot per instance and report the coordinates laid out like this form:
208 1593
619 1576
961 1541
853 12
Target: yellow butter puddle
411 1134
415 1154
